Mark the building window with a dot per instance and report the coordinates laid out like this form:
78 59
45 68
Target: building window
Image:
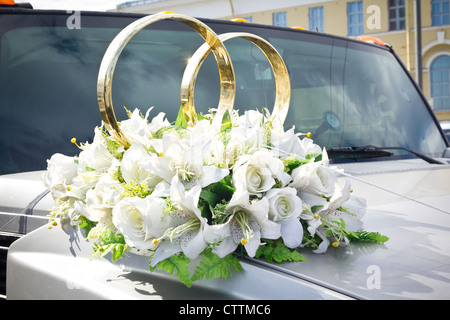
280 19
316 19
397 15
440 12
355 23
440 82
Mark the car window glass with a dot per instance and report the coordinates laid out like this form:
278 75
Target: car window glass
345 94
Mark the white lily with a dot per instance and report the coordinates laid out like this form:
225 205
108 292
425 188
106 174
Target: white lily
131 169
136 128
246 224
183 225
187 163
342 205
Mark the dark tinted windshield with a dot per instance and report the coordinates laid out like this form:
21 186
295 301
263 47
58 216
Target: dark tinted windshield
345 93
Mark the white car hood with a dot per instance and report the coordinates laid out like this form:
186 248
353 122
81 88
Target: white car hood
408 201
410 204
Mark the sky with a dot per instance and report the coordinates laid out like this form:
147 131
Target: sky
93 5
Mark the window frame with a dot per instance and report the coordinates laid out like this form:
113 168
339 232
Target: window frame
398 19
316 18
438 18
357 27
441 55
279 19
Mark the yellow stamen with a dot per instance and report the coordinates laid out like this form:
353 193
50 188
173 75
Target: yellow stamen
243 241
335 244
155 241
69 188
316 216
74 141
54 223
161 154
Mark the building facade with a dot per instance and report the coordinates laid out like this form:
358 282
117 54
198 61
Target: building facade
392 21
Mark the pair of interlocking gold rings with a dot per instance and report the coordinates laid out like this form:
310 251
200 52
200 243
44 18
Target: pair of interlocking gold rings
212 43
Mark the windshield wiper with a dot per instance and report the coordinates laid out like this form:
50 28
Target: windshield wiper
372 151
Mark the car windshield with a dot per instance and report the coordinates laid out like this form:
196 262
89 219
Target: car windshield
347 94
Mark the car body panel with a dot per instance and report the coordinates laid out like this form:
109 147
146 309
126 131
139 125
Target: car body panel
56 264
409 205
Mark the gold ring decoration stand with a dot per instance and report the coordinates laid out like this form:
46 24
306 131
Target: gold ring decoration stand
282 81
213 43
108 64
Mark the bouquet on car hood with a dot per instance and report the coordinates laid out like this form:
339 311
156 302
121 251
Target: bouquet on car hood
230 185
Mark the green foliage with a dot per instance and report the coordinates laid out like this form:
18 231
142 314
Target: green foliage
115 149
180 264
277 250
181 120
110 242
367 236
214 267
133 189
226 122
211 267
86 224
362 235
214 196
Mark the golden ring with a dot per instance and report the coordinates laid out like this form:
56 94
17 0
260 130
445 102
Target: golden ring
108 64
282 81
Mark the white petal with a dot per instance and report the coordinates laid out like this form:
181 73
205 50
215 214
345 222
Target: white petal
253 244
192 244
323 246
165 250
270 229
292 233
212 175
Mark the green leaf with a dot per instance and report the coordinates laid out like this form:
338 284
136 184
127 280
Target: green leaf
180 264
277 250
226 122
181 120
110 243
367 236
86 224
212 266
210 197
316 208
362 235
223 188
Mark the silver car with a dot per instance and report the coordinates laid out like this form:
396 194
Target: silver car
356 98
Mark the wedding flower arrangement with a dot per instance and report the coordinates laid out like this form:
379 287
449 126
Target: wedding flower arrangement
195 199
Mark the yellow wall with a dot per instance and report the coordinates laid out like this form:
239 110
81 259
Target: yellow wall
403 41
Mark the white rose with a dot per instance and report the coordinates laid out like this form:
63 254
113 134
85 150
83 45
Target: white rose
135 218
314 178
96 156
133 171
60 172
284 204
285 208
258 172
105 194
